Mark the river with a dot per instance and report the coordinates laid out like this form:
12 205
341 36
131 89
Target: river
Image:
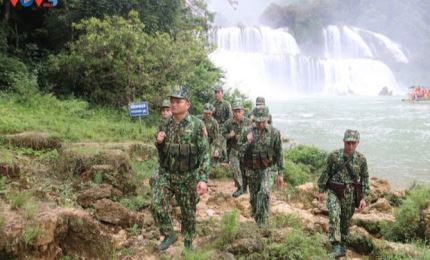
394 135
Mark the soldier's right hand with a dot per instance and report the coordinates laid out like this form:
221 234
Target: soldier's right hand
321 197
249 137
160 137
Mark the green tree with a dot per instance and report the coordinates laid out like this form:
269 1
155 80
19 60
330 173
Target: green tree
115 61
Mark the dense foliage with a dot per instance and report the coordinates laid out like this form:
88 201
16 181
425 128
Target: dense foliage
109 52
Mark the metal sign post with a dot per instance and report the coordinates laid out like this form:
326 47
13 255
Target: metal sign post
140 110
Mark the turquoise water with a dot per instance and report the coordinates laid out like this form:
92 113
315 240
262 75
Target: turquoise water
395 136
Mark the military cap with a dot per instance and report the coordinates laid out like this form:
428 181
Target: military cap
208 107
260 101
165 103
219 88
180 92
238 105
261 114
351 136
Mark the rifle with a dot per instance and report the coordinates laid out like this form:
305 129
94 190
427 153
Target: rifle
337 187
358 187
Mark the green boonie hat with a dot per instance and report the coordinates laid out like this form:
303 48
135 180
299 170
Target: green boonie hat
180 92
351 136
208 107
238 105
260 101
260 114
165 103
219 88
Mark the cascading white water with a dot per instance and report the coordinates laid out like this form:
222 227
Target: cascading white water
268 62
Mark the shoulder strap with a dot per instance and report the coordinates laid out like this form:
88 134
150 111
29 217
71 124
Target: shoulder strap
338 169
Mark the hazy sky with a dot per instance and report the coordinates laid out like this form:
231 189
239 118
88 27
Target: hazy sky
245 12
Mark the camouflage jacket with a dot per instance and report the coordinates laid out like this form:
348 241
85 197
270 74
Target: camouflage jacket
251 115
212 128
161 124
222 112
266 141
188 135
237 127
359 169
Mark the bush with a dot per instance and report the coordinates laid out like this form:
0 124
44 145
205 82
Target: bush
408 224
310 156
296 174
229 227
11 71
297 245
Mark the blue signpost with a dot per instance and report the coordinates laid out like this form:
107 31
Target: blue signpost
140 110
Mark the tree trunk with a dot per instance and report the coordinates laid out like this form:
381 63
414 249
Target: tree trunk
5 11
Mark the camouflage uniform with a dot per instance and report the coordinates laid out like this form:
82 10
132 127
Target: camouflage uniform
184 161
155 175
213 130
341 211
262 161
260 102
233 147
221 114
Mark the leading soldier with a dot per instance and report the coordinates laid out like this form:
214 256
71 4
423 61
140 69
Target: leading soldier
345 174
261 149
232 130
184 165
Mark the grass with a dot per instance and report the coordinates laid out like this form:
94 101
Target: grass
297 245
136 203
2 220
2 184
72 120
29 209
286 220
134 230
30 234
17 199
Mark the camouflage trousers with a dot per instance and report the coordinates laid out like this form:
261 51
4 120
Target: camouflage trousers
340 215
260 186
239 177
183 187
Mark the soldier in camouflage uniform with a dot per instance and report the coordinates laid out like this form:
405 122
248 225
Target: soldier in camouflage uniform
261 149
184 163
221 114
212 128
343 167
231 132
260 102
165 113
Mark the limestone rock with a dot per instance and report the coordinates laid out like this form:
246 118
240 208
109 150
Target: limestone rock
88 197
245 246
113 213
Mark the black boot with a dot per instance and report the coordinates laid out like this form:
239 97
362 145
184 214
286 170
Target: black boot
188 244
238 192
168 241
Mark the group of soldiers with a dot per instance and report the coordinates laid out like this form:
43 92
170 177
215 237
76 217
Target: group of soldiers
188 145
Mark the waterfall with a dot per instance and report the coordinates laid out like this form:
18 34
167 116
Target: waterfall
269 62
